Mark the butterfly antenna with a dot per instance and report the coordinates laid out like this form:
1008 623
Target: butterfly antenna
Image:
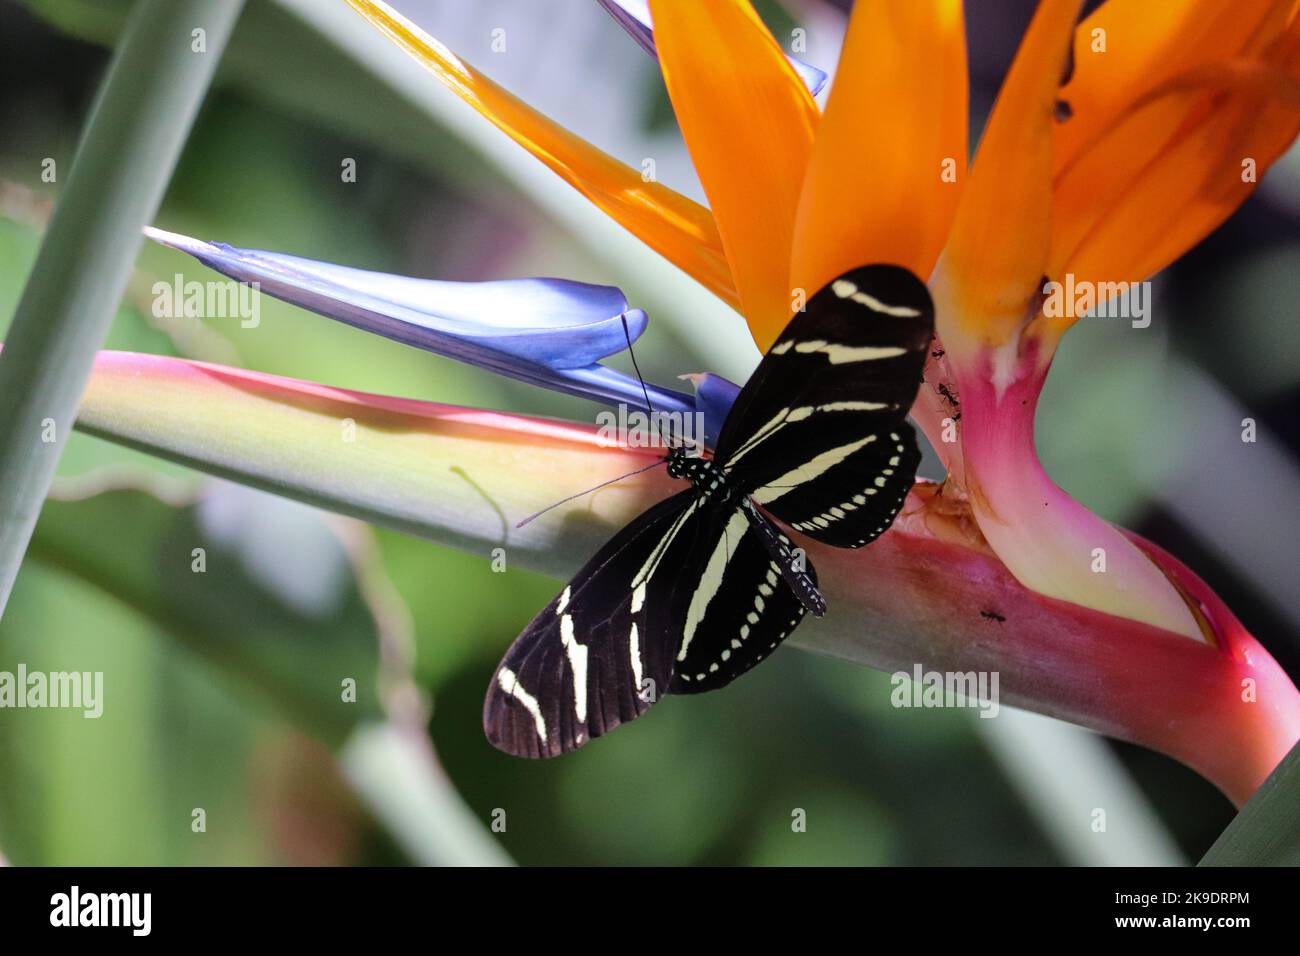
531 517
640 378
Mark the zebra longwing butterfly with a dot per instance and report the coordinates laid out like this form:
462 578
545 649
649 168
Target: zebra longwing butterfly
704 585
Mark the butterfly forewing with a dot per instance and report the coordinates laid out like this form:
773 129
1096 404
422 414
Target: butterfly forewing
601 652
817 434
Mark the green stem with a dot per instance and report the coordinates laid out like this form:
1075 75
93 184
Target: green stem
1267 830
137 127
397 776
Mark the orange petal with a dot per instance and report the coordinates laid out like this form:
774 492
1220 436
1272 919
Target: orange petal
748 122
679 229
890 154
1173 166
1146 44
992 267
986 288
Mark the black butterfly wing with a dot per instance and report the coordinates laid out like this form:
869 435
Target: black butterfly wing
818 434
601 652
847 494
732 607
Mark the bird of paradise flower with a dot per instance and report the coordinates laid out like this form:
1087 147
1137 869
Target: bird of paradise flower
1115 144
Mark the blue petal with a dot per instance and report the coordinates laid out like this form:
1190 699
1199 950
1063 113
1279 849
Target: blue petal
547 332
714 396
634 17
604 384
552 322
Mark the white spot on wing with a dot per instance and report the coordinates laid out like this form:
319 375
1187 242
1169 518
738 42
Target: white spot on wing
634 652
777 422
854 407
508 681
848 290
652 562
578 662
809 470
711 580
841 354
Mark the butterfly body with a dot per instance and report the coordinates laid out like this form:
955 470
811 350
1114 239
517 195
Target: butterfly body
715 489
705 585
708 478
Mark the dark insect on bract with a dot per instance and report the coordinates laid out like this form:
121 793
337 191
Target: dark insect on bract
704 585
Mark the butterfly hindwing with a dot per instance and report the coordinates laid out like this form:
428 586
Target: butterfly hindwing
735 608
849 503
817 435
601 652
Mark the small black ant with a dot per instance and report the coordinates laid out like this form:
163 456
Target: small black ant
951 398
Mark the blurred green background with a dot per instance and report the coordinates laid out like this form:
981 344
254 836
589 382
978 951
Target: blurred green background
212 681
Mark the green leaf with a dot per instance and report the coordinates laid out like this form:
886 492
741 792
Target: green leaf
219 624
205 575
139 123
1267 830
